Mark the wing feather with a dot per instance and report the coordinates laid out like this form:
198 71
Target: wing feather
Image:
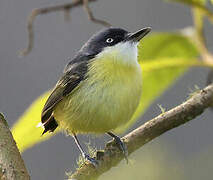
73 75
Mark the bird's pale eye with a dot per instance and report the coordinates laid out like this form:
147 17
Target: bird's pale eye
109 40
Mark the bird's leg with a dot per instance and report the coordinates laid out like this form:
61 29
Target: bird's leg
86 156
120 144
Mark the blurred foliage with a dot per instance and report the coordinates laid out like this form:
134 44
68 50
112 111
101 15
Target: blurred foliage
201 5
192 2
24 130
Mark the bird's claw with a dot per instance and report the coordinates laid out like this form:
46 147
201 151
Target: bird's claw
93 161
122 147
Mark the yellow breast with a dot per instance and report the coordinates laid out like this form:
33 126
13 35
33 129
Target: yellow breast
106 99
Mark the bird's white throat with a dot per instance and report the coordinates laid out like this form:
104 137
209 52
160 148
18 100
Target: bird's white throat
127 52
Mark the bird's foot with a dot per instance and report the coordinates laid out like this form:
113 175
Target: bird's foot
93 161
122 147
120 144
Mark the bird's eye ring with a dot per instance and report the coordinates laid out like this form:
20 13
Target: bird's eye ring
109 40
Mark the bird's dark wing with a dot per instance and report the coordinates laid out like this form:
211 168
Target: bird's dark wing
74 73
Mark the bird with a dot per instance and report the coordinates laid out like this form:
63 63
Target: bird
100 88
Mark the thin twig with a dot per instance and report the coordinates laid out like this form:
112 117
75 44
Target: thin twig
64 7
91 16
173 118
200 39
11 163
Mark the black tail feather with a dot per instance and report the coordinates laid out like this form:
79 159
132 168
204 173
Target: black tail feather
50 125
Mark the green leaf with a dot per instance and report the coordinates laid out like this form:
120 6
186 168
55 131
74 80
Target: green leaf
163 58
191 2
24 131
166 45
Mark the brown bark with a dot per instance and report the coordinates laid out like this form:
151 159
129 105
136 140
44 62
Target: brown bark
11 163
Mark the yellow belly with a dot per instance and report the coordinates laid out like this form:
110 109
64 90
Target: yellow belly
104 101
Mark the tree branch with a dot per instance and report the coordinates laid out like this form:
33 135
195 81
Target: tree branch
64 7
173 118
11 163
91 16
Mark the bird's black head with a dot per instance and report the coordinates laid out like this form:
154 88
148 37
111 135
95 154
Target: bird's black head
106 37
110 37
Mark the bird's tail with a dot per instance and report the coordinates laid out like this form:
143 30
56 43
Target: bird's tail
48 122
50 125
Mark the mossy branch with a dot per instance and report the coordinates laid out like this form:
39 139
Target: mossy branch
11 163
173 118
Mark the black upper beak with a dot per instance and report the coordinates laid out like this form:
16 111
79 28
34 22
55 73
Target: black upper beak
138 35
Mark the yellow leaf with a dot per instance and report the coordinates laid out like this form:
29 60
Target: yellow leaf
25 132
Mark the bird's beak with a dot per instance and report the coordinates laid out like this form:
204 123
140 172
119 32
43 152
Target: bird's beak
138 35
